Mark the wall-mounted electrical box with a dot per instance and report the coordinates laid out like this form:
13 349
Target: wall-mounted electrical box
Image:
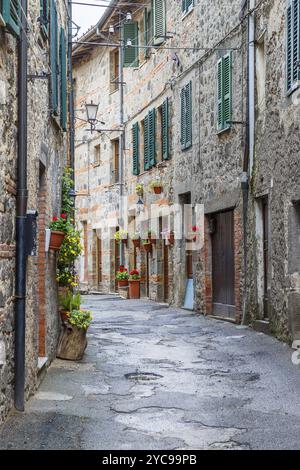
47 239
31 233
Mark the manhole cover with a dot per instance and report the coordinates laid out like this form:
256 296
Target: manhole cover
142 376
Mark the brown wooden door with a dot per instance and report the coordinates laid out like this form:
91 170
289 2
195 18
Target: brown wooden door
265 213
117 259
99 261
223 265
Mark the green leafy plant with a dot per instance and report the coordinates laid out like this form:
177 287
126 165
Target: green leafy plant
121 235
60 224
70 301
80 318
67 202
122 275
156 184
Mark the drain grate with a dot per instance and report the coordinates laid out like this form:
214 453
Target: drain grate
143 376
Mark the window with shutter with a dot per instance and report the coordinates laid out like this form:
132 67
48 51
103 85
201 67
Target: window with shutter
224 92
63 80
130 31
186 117
11 13
187 5
146 143
152 137
159 21
54 58
292 45
44 16
135 140
165 130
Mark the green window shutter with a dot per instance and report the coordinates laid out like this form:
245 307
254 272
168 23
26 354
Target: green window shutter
186 5
289 47
159 21
183 120
146 33
130 53
135 140
220 94
227 91
296 16
165 130
146 143
189 118
152 137
63 80
44 15
11 12
54 58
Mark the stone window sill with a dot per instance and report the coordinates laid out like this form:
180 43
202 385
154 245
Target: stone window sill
187 13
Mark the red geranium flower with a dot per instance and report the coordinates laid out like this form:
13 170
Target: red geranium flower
63 216
55 218
134 272
195 228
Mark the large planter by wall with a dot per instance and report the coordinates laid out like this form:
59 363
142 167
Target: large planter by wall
64 315
56 239
123 283
134 289
72 343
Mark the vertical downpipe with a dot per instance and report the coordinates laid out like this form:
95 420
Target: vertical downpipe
21 208
250 141
71 93
121 143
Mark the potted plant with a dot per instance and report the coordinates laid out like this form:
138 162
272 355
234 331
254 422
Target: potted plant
58 227
192 235
122 277
147 245
68 302
134 284
73 342
139 189
136 239
157 186
121 236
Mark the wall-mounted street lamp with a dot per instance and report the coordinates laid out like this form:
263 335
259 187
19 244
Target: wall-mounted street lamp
91 112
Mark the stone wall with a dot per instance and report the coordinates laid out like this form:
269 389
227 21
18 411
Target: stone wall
46 156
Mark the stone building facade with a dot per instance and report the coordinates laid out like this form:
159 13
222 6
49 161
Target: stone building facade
47 154
199 61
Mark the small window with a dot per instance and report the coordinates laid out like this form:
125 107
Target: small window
97 155
186 117
187 6
162 136
115 161
114 70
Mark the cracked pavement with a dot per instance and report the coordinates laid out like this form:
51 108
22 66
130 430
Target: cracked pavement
215 385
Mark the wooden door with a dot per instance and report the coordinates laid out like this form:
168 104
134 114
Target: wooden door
265 214
223 265
117 259
99 261
86 254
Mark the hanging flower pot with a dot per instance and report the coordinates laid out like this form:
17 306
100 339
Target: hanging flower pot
56 239
122 277
136 242
157 186
147 245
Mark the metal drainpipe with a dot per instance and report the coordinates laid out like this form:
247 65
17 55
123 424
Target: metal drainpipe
71 94
249 144
21 209
121 141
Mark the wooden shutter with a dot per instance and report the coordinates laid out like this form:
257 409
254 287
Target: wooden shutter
224 92
296 17
54 58
11 12
186 4
63 80
227 91
130 53
152 137
146 33
183 120
189 119
135 140
220 94
289 46
159 21
165 130
146 143
44 16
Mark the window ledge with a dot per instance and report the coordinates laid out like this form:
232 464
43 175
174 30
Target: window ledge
226 129
114 91
95 165
186 13
294 87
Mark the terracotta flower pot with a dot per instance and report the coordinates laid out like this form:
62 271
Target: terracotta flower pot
137 243
134 289
56 239
64 315
123 283
124 241
171 239
157 189
147 247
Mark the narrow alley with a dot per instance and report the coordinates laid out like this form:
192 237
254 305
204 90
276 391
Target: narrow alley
163 378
